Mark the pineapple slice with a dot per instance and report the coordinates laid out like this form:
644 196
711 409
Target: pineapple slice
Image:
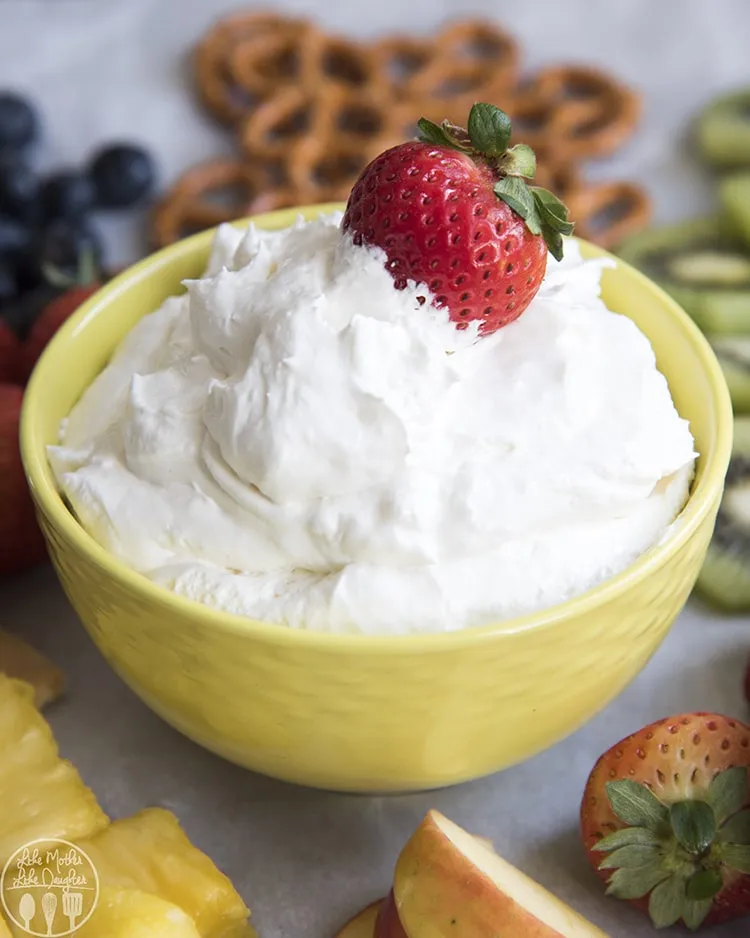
130 913
150 852
42 795
18 659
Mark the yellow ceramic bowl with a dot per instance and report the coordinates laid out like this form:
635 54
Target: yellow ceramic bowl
360 713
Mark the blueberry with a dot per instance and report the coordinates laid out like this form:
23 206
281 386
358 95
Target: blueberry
19 124
123 175
67 195
15 238
65 245
19 187
8 285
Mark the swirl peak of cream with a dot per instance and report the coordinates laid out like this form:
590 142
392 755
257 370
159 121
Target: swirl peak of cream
296 441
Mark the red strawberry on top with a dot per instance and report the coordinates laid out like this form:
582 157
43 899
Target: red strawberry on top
455 211
665 820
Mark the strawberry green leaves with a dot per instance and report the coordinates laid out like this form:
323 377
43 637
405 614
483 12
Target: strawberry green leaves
627 837
694 912
693 824
638 882
666 902
553 217
487 140
737 857
430 132
704 885
515 193
489 129
677 854
632 857
636 805
543 213
737 829
727 793
520 160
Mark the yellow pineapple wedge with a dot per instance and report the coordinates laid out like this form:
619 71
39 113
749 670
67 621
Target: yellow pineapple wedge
41 794
150 852
18 659
130 913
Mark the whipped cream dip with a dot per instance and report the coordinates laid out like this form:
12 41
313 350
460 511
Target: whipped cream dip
294 440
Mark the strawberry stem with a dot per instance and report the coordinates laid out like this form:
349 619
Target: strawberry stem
487 139
677 853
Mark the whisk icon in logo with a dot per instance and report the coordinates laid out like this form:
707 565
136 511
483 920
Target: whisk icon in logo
49 888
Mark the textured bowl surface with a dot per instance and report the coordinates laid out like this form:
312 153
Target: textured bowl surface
364 713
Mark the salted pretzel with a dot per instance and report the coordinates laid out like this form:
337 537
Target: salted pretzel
312 109
563 179
607 213
581 111
215 60
214 192
469 61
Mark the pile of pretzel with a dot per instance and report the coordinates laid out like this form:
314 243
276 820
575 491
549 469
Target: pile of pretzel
310 110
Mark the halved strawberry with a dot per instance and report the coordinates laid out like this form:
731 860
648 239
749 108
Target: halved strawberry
665 819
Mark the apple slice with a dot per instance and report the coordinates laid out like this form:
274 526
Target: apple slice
388 924
363 924
448 884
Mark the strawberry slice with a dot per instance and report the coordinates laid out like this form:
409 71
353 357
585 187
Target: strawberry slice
455 211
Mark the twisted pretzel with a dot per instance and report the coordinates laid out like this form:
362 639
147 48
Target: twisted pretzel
584 113
212 193
216 61
607 213
312 109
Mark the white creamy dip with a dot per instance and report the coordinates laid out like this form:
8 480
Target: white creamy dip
296 441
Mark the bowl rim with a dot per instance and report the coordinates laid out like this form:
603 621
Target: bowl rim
50 503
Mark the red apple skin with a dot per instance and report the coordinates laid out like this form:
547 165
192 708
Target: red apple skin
388 924
439 892
363 924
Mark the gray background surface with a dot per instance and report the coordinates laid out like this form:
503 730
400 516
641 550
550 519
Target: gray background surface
306 860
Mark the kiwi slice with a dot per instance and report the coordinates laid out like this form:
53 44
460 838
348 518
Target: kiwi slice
733 353
725 577
722 131
703 268
734 196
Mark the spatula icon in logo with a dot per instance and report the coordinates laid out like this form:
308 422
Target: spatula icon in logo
72 906
49 907
27 910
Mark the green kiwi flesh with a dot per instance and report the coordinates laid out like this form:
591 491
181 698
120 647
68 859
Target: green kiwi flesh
734 197
722 131
724 580
702 268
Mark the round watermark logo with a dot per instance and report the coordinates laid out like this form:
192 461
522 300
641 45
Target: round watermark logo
49 887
